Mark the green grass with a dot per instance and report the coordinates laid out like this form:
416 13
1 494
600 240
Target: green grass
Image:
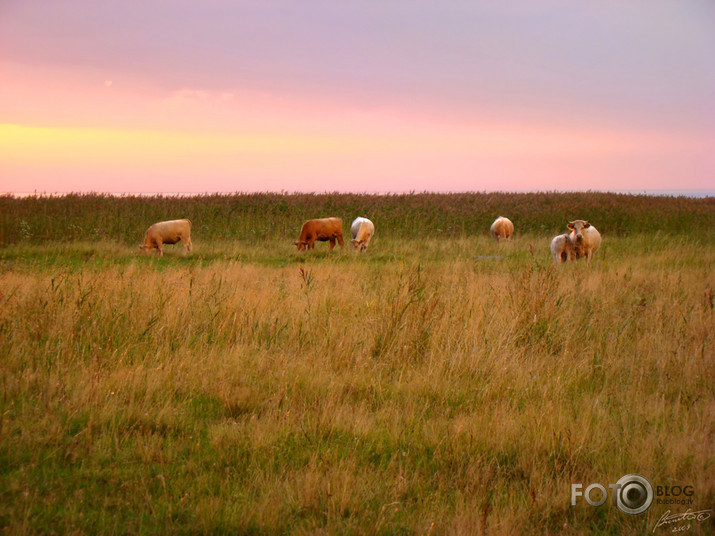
278 217
437 384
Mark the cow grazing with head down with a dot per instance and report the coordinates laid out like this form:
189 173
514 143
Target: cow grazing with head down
584 239
361 230
502 228
167 232
322 230
561 249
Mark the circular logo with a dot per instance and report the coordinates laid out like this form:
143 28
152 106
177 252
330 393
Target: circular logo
634 494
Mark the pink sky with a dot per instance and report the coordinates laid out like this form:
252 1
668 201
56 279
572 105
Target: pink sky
357 96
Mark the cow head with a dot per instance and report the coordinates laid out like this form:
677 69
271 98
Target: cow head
359 245
300 245
577 227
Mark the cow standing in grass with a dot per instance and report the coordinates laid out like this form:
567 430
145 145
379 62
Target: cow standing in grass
561 249
584 239
321 230
168 232
361 230
502 228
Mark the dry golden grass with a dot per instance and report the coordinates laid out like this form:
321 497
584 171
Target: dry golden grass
428 387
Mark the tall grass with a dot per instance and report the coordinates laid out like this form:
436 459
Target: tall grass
430 386
349 397
268 216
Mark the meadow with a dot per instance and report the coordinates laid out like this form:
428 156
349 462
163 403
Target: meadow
440 383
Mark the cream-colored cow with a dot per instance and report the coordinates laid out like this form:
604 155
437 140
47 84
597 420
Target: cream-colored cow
561 249
502 228
168 232
362 231
584 238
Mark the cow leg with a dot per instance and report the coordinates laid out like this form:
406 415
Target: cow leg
187 245
332 244
158 247
340 240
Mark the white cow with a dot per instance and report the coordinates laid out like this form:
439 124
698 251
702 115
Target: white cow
584 239
502 228
168 232
361 230
561 249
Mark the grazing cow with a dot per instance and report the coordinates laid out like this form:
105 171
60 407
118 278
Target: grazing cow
168 232
321 230
584 239
502 228
561 248
361 230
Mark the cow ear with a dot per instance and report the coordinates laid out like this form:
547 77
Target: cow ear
353 241
586 225
570 225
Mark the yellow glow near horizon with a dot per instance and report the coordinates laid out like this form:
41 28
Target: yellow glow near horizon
407 155
94 145
138 159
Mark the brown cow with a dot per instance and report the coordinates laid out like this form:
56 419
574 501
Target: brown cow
168 232
322 230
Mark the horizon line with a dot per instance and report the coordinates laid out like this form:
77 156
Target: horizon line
658 192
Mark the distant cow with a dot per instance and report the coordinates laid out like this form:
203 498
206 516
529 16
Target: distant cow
168 232
502 228
361 230
322 230
584 239
561 249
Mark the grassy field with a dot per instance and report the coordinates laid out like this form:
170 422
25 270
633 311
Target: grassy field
438 384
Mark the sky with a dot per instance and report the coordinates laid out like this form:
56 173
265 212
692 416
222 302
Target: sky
356 96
